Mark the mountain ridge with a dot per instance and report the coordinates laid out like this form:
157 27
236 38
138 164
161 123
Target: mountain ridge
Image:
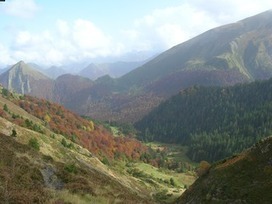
235 53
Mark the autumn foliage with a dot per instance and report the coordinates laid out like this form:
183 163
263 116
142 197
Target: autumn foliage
82 131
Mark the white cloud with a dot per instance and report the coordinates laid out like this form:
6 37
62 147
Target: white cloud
164 28
171 34
87 36
23 38
21 8
156 31
73 41
227 11
5 56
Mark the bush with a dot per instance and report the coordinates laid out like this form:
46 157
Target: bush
5 107
172 182
161 196
33 142
5 92
203 168
71 168
105 161
14 133
65 144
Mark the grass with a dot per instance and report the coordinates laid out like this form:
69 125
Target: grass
85 178
244 178
154 179
174 151
181 179
65 196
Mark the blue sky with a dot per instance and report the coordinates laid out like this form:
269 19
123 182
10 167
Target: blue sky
50 32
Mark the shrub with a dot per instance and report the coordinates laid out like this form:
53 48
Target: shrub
105 161
172 182
5 92
64 143
5 108
203 168
14 133
33 142
71 168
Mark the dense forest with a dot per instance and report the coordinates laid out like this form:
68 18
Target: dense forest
215 122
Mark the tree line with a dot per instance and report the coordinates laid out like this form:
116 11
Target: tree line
215 122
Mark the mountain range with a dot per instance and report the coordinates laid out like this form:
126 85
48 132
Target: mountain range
115 70
223 56
204 96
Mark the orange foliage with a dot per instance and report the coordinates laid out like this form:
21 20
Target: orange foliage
95 138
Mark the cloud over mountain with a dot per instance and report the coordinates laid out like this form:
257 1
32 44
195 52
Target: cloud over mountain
75 38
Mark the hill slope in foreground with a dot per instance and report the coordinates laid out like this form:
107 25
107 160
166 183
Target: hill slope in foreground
39 165
51 155
244 178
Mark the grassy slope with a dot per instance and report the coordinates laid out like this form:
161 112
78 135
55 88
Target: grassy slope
105 185
244 178
157 180
92 181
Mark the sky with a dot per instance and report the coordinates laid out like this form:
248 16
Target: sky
59 32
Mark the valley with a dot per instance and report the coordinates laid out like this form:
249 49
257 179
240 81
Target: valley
68 168
192 124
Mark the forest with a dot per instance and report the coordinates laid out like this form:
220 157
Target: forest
214 122
85 132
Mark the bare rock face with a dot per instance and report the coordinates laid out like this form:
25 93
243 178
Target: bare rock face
23 79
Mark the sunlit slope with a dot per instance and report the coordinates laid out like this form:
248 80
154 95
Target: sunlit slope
244 178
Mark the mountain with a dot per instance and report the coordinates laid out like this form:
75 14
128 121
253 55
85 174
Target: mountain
54 72
214 122
72 91
235 53
26 80
2 70
230 54
117 69
243 178
241 49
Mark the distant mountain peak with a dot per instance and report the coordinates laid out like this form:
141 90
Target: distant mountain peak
21 68
23 79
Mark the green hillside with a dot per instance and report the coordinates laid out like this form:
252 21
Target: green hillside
55 156
243 47
214 122
244 178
